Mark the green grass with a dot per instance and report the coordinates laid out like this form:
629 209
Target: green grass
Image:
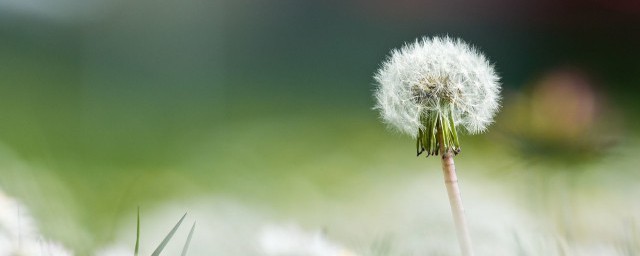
166 239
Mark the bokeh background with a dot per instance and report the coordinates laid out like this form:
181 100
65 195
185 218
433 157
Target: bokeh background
253 113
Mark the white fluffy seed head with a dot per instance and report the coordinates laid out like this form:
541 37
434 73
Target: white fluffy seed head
433 75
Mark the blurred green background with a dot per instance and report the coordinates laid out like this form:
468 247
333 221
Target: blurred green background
106 105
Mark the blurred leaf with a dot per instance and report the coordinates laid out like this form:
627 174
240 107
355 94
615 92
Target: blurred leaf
186 244
168 237
137 233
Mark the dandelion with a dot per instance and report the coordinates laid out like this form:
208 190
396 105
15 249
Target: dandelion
428 90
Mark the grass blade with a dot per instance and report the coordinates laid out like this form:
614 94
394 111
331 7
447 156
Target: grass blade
166 239
186 244
137 234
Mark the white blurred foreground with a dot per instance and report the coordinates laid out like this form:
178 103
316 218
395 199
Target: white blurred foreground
19 234
405 215
229 229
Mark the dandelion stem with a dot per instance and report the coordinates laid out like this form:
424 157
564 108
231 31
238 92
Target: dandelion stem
451 181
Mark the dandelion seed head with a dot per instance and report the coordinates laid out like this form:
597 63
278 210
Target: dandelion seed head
437 75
